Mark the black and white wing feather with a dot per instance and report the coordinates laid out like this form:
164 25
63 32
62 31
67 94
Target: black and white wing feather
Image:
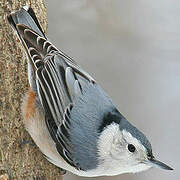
58 81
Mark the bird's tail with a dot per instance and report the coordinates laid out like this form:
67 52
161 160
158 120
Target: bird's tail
25 16
29 31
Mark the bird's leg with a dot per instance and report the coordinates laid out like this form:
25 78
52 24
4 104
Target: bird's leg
22 143
62 171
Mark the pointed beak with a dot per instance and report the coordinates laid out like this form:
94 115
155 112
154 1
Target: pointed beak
158 164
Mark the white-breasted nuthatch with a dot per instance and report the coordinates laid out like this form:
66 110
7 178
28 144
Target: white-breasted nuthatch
70 117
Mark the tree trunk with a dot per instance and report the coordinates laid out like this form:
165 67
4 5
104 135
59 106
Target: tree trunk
17 161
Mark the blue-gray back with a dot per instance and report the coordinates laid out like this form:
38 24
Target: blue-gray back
86 118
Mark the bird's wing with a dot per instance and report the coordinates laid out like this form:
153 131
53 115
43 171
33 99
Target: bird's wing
59 81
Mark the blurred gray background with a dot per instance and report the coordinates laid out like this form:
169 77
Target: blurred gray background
132 48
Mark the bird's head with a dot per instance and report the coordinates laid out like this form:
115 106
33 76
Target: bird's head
122 148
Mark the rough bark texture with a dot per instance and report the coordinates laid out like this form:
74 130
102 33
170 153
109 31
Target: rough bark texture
25 161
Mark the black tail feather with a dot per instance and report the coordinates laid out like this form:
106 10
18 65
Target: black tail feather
25 16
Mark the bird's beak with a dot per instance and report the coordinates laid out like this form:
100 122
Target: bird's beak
158 164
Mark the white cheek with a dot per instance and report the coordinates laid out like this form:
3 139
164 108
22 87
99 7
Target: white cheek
112 147
107 144
111 150
114 156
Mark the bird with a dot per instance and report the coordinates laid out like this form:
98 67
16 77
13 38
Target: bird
70 117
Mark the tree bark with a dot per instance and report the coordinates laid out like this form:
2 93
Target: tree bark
17 161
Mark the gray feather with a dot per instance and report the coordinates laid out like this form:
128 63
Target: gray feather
86 117
27 17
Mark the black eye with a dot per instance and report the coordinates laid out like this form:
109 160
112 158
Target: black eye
131 147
